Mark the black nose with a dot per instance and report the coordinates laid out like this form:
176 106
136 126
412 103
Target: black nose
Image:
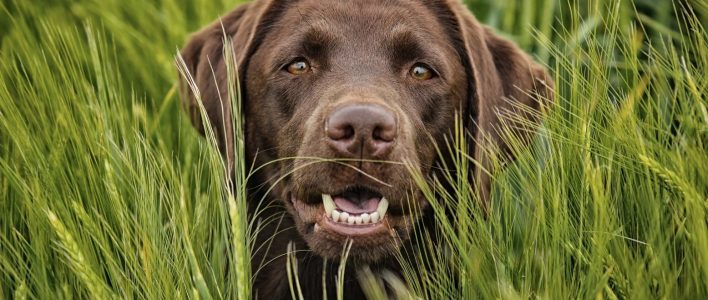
361 129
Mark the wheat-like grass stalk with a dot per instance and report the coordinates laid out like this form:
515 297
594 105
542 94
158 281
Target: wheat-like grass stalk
96 287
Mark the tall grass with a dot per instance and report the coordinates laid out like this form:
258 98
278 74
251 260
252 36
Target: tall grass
107 192
611 200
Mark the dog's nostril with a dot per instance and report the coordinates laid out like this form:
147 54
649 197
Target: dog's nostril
384 134
340 131
347 132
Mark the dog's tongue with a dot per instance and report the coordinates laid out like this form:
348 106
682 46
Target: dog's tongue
357 205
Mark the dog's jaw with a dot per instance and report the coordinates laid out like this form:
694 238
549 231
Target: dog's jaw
370 240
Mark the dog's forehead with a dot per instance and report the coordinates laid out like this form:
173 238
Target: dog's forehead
361 19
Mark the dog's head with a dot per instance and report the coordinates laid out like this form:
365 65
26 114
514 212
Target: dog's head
339 94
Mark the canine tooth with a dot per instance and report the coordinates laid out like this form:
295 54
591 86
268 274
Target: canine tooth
344 217
328 203
374 217
383 207
365 218
350 220
335 215
358 220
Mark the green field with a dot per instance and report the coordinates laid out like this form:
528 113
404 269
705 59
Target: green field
106 190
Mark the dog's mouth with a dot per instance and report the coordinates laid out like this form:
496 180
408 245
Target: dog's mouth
361 215
355 212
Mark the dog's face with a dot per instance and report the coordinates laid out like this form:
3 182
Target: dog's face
341 96
367 87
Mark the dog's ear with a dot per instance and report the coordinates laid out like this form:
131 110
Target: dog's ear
508 91
204 70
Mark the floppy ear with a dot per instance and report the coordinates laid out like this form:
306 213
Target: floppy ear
206 80
508 91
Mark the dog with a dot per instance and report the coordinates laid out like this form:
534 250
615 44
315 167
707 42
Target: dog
363 85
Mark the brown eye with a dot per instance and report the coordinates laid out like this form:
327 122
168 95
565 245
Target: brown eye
421 72
298 67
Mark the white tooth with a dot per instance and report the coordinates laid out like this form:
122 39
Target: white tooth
358 220
343 217
335 215
328 203
351 220
365 218
374 217
383 207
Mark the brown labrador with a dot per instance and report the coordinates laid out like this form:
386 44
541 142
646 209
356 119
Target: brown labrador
367 83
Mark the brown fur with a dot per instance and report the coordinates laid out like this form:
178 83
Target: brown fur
360 51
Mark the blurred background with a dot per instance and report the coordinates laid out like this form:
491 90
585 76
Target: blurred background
106 191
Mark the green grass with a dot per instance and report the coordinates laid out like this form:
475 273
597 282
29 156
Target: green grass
106 191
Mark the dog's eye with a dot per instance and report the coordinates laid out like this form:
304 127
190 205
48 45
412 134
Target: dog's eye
421 72
298 67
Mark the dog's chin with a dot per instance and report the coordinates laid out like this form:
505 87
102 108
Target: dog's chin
365 221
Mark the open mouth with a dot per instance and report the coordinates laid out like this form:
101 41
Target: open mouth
355 208
354 212
363 216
